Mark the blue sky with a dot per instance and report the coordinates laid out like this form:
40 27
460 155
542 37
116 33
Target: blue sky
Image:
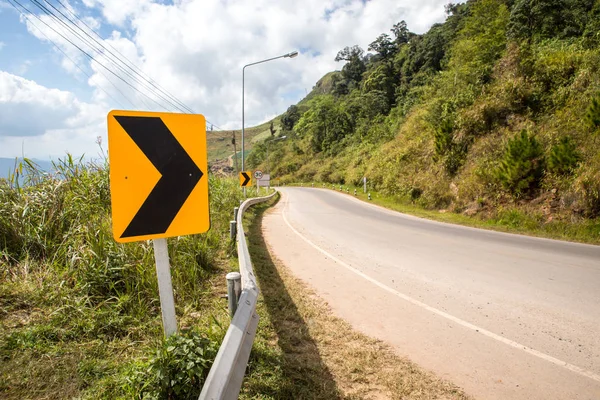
24 55
194 49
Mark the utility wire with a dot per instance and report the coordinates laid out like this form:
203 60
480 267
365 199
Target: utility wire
101 49
87 42
87 54
56 46
128 64
170 99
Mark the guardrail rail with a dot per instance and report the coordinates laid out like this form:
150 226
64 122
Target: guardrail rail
224 380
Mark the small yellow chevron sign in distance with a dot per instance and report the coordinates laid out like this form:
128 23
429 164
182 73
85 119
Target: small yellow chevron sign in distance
245 178
158 175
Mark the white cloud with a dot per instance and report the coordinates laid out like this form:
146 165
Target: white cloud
117 12
196 49
2 44
45 121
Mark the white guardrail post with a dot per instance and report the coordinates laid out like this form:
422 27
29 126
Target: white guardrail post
224 380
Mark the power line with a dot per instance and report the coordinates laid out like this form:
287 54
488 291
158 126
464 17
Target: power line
140 73
116 61
135 69
87 54
169 99
74 63
93 48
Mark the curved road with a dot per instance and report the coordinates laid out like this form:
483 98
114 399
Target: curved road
503 316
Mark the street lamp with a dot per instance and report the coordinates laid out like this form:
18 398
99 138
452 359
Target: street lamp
288 55
268 143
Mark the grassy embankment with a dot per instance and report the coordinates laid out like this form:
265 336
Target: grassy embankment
79 313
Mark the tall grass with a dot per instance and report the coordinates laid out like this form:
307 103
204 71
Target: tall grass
60 266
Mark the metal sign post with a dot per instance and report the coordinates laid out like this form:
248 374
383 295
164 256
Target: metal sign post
365 184
165 287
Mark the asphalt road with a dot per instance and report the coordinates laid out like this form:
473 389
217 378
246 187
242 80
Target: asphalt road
502 316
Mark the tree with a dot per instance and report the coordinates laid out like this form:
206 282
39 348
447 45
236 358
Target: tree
290 117
564 157
592 28
383 46
272 129
522 167
349 54
521 24
593 114
325 124
480 42
355 65
381 79
542 19
401 33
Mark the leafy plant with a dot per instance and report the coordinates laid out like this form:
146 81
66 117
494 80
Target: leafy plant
177 370
564 157
522 166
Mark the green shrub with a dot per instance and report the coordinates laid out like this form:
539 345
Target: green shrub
522 166
177 370
564 157
587 187
593 114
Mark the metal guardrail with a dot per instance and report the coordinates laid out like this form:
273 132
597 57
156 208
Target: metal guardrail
224 380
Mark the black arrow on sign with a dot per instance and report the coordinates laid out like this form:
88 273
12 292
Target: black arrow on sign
246 179
179 175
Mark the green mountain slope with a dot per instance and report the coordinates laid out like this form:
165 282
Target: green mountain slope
220 146
496 109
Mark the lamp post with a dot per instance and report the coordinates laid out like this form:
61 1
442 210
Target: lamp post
288 55
268 143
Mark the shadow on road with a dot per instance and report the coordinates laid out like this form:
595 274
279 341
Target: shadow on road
303 373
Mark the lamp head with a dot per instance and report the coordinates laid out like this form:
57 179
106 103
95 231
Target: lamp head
292 54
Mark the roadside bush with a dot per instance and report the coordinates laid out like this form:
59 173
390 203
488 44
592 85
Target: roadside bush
522 166
177 370
587 187
564 157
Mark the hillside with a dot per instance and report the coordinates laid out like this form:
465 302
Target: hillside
220 146
494 113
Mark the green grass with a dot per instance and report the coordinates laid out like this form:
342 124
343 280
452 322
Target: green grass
79 313
509 219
